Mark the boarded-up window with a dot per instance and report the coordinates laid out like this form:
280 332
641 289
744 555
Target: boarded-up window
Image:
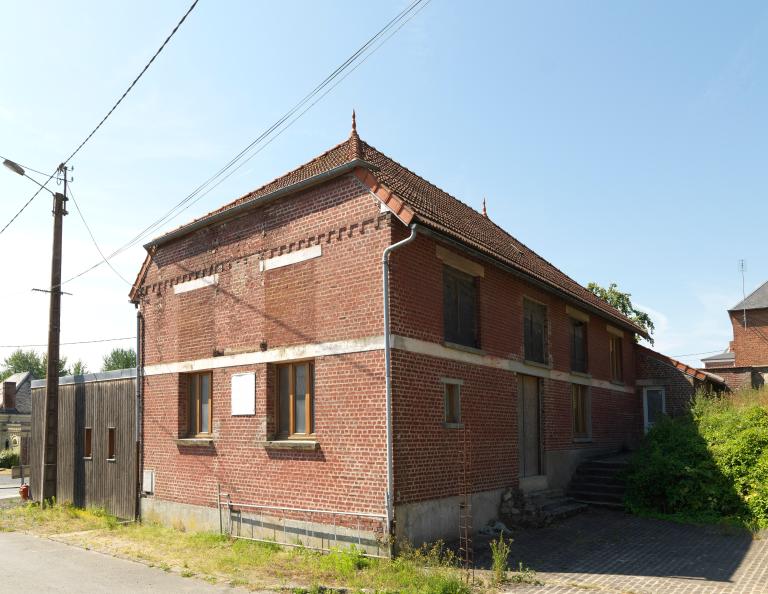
617 363
87 443
199 403
581 411
579 346
111 443
535 331
452 398
295 399
459 308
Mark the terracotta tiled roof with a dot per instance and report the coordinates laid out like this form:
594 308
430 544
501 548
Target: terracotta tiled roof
699 374
436 209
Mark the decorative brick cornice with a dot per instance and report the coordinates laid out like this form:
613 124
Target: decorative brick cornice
326 237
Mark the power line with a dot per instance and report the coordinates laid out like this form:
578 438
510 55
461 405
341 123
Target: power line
395 23
93 239
28 202
104 119
135 80
692 354
24 346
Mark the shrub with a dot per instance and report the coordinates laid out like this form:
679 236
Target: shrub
9 458
708 466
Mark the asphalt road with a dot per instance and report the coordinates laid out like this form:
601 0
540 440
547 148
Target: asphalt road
9 487
32 564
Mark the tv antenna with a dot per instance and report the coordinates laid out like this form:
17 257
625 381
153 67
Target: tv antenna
742 269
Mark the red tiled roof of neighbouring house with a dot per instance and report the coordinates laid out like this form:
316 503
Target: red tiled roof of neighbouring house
699 374
433 208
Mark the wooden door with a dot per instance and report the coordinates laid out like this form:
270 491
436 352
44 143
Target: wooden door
530 426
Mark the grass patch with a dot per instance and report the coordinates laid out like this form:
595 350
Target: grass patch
216 558
710 466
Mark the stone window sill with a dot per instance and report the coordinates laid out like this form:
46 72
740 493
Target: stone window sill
536 363
462 347
453 425
617 382
291 444
582 374
582 440
195 442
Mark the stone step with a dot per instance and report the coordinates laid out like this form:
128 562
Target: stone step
597 475
597 486
604 465
596 496
567 510
537 497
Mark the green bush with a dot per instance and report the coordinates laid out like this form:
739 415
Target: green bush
709 466
9 458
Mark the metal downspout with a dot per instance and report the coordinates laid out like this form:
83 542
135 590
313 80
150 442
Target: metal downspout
139 389
388 376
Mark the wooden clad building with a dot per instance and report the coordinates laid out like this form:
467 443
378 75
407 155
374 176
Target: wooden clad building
97 461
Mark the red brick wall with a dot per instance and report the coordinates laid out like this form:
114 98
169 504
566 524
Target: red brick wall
347 472
751 344
427 455
417 312
334 297
679 388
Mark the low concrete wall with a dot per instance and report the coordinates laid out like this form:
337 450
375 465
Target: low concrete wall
304 531
438 519
195 518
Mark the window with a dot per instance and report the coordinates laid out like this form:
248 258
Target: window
452 400
295 399
578 346
87 443
199 404
535 331
459 308
111 443
581 411
617 364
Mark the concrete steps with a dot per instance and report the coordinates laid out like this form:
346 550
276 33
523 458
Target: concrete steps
599 482
549 505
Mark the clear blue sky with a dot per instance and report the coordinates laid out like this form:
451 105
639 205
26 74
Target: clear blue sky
623 141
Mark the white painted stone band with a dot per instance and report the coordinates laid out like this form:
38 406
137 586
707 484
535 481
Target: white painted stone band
198 283
291 258
376 343
289 353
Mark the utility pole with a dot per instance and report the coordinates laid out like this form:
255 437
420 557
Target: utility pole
51 407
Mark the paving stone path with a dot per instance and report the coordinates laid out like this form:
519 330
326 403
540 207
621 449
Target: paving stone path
613 552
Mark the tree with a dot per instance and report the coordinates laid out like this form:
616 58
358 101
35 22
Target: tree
21 361
79 367
623 302
119 359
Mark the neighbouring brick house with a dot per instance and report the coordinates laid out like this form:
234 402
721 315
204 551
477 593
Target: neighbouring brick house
15 409
745 363
667 386
263 359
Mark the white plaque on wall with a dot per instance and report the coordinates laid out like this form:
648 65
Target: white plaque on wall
243 394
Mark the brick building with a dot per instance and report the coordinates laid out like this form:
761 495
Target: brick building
745 362
265 372
15 410
667 386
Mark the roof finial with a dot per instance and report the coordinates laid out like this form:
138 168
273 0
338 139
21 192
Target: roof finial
355 146
485 210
